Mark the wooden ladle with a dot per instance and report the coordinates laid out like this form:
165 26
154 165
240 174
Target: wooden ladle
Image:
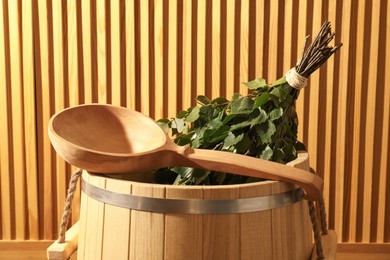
109 139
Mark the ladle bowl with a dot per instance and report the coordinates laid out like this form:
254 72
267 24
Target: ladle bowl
109 139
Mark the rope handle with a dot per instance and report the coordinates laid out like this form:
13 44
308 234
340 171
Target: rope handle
314 220
68 205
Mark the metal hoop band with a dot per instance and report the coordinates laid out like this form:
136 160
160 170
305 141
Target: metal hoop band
192 206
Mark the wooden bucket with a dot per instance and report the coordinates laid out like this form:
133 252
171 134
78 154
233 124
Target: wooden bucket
115 232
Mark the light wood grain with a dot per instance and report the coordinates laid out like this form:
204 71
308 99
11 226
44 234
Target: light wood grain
67 56
159 58
93 238
147 228
115 67
17 121
149 235
44 113
179 227
230 43
244 46
6 141
30 132
86 49
116 225
59 82
64 250
144 57
101 51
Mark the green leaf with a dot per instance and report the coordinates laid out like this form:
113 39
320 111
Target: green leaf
182 114
257 83
219 101
259 119
215 123
216 135
203 100
267 153
261 100
265 131
278 156
242 106
183 139
193 115
228 118
280 81
244 145
281 92
164 124
179 124
231 139
236 96
275 113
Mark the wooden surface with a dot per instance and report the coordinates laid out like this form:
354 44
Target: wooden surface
149 235
56 54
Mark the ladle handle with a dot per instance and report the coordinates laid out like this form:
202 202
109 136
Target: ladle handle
253 167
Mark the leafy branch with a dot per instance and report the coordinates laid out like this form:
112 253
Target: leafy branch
263 124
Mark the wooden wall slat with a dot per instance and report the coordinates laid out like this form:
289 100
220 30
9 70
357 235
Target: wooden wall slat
6 141
383 217
58 51
156 56
29 122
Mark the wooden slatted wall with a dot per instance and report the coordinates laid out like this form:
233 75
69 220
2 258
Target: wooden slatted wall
156 56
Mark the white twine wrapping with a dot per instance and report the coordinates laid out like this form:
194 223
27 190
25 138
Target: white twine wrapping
295 80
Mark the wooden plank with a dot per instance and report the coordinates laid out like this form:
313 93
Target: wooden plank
216 49
244 46
116 224
30 121
147 228
17 120
230 47
259 48
5 139
255 230
301 31
44 104
73 75
314 100
180 229
187 58
58 46
93 240
64 250
223 240
358 110
172 61
115 53
144 66
158 58
384 169
101 51
288 62
370 121
24 250
130 55
273 41
281 227
83 222
341 122
87 66
201 48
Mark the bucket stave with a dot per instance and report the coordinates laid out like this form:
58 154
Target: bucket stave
112 232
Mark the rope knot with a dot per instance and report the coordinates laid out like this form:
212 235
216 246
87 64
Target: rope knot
295 80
